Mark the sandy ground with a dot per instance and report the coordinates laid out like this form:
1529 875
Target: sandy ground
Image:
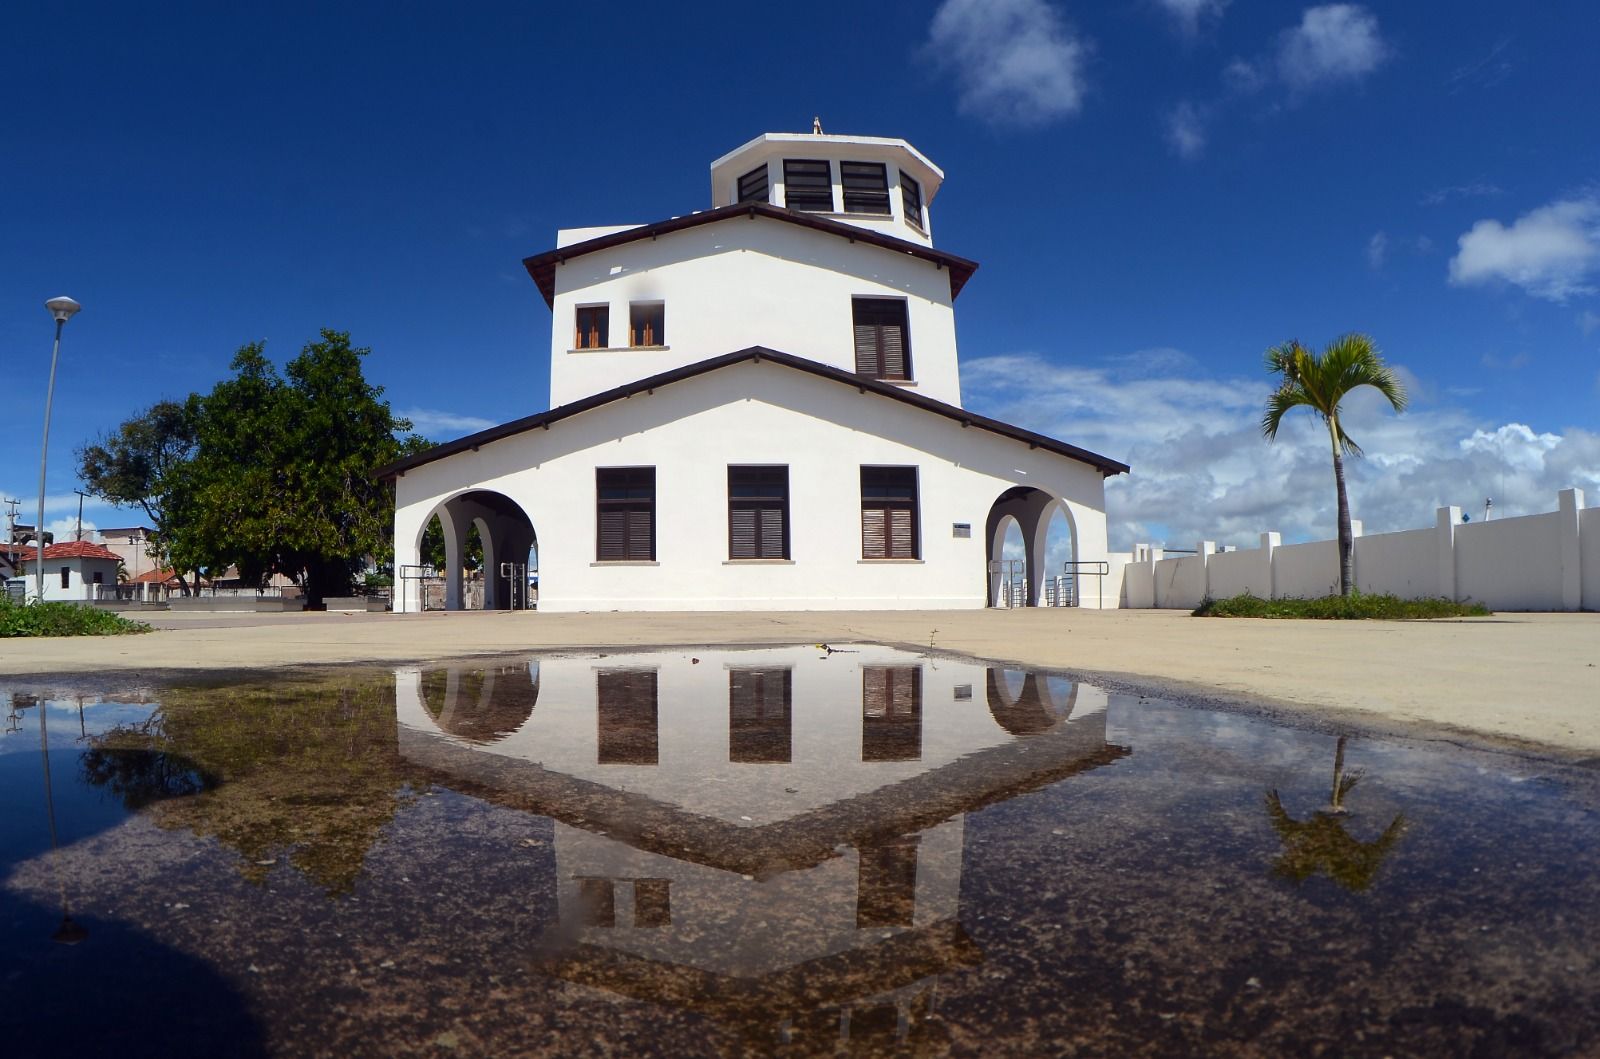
1529 679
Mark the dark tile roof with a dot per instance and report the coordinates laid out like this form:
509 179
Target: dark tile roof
542 267
1104 464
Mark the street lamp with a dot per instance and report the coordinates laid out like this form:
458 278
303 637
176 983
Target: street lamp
62 309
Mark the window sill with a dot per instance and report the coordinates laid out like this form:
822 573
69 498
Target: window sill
910 384
626 562
621 349
881 562
758 562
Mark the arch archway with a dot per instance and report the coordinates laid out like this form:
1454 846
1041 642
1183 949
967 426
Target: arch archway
480 706
508 540
1035 512
1024 703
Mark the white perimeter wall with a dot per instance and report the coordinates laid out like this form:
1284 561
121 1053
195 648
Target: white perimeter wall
747 282
757 413
1533 562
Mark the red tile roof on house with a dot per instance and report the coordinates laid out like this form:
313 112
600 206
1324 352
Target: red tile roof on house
74 550
154 577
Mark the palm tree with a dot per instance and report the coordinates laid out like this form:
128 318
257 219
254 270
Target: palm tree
1320 382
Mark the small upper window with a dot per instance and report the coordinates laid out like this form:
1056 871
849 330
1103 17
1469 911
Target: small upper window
911 199
753 185
647 324
66 577
808 185
882 350
594 327
866 187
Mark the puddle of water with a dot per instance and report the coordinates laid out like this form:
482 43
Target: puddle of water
778 851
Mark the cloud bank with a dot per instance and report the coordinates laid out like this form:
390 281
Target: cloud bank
1549 252
1016 62
1332 43
1202 471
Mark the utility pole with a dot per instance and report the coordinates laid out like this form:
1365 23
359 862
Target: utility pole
11 518
81 495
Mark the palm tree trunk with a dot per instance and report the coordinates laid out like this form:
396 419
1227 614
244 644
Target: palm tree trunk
1346 539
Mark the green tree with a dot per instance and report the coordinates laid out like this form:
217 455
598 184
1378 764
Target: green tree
281 478
140 464
1320 382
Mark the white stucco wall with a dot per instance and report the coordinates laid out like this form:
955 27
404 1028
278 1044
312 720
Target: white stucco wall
1307 571
1236 573
1510 564
747 282
756 413
1589 549
1180 582
1403 564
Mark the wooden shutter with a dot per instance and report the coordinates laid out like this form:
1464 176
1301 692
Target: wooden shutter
882 348
625 514
760 717
911 199
891 713
888 512
758 512
874 533
886 883
753 185
627 717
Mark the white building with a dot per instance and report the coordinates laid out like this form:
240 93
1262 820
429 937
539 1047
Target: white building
757 406
74 571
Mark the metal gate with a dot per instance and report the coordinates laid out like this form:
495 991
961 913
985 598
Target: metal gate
421 588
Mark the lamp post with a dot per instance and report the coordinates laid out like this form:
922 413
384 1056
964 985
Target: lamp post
62 309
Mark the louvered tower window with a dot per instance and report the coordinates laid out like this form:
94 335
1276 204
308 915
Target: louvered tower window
883 347
866 187
753 185
808 185
625 513
888 512
758 512
911 199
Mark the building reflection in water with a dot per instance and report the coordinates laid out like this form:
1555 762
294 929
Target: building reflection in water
772 838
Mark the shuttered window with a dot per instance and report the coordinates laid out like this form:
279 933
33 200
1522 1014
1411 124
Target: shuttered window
760 715
625 514
891 713
758 512
593 330
886 883
808 185
889 513
883 350
866 187
628 729
753 185
911 199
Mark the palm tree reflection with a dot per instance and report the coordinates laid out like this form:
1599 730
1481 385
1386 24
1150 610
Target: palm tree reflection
1321 845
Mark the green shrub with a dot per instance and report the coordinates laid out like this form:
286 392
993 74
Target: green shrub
62 619
1355 605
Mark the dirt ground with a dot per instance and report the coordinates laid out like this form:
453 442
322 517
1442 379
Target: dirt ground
1529 679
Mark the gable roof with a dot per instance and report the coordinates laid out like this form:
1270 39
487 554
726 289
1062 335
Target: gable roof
754 354
73 550
542 267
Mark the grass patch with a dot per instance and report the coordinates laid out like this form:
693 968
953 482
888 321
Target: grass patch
1389 608
62 619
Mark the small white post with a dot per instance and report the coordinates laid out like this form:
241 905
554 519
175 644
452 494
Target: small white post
1446 520
1569 503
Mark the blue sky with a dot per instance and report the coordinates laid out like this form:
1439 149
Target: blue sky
1157 190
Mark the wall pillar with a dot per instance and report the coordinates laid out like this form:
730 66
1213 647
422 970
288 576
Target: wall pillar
1205 550
455 538
1568 503
1446 519
1270 542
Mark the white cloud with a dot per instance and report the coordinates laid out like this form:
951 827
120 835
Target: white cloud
66 529
1186 130
436 424
1334 42
1548 252
1191 15
1016 61
1588 322
1202 471
1476 190
1377 250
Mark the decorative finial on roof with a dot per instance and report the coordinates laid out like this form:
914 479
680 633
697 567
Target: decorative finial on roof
816 126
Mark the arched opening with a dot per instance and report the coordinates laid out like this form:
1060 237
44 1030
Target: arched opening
1026 703
1030 548
484 551
481 706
